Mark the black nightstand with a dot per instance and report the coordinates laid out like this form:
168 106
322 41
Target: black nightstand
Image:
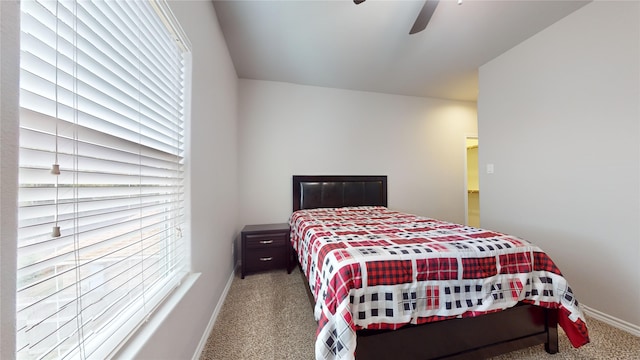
265 247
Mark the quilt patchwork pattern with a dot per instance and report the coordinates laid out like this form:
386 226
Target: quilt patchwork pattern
374 268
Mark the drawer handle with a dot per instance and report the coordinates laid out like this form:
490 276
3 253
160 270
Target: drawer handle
266 241
266 258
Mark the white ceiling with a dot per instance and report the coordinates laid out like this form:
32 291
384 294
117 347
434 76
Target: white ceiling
335 43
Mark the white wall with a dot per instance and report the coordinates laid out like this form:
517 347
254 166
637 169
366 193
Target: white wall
9 85
559 117
288 129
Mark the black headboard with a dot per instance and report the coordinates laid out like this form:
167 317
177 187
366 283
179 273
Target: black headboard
322 191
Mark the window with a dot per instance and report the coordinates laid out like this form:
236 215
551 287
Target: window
100 245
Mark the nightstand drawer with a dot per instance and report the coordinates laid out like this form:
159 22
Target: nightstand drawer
266 240
265 247
266 259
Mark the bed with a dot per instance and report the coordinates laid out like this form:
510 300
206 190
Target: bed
385 284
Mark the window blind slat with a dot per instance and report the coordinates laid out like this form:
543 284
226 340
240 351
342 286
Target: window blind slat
102 96
101 143
90 225
159 271
103 41
156 63
41 43
128 254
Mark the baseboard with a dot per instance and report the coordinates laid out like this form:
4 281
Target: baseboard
613 321
214 317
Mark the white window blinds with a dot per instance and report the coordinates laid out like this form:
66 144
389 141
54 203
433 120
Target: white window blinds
102 96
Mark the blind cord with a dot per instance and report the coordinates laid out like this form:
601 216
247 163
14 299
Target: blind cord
76 225
145 303
55 168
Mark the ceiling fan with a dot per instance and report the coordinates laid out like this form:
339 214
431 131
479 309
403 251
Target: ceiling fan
423 16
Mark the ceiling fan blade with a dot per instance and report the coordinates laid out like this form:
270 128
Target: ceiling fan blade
424 16
358 1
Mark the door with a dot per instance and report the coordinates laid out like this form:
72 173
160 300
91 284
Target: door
472 188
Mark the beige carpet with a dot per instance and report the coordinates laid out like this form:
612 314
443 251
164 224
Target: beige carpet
268 316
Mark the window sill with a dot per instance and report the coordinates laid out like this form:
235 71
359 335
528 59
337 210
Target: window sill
132 346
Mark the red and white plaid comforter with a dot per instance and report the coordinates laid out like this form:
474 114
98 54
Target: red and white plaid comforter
373 268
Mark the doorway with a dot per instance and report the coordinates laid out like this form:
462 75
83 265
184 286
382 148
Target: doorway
472 184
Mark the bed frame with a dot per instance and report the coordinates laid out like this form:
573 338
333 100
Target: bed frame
470 338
